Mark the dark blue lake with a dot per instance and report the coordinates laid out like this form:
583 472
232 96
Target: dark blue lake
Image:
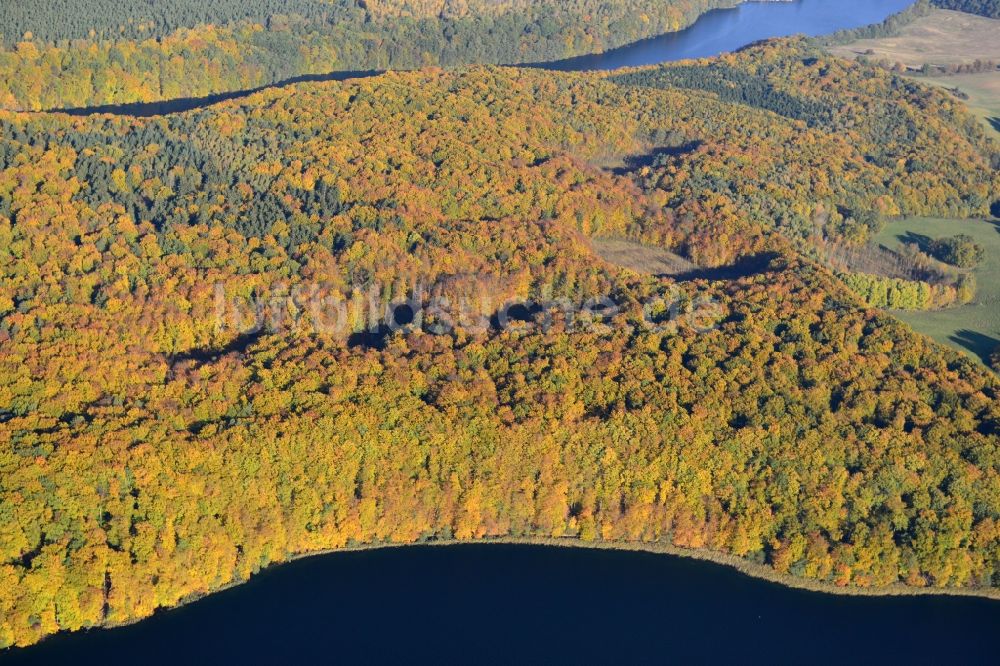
726 30
527 604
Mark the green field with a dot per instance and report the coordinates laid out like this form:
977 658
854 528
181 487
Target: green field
973 328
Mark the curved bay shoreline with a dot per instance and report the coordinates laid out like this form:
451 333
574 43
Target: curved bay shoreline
749 597
741 565
747 568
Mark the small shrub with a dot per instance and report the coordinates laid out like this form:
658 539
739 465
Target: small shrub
966 289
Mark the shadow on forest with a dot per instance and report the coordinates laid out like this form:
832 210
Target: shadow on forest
376 338
754 264
977 343
401 316
161 108
995 211
636 162
239 344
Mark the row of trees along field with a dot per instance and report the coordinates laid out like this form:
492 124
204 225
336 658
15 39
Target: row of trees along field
898 294
988 8
148 454
59 54
887 28
928 276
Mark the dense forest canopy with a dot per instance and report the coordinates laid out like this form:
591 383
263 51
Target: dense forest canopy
51 21
149 452
62 54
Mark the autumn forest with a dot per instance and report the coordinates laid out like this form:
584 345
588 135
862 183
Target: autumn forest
153 450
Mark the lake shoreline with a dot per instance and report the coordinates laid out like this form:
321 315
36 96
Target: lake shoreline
758 571
704 583
165 107
585 62
741 565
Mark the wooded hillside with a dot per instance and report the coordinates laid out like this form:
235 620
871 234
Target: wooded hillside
755 406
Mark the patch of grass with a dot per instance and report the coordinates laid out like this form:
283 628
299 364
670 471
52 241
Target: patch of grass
942 37
973 328
641 258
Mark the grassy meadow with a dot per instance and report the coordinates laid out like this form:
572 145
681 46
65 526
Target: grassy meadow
642 259
972 328
942 37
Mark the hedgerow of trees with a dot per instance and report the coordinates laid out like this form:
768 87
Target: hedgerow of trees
887 28
898 294
988 8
